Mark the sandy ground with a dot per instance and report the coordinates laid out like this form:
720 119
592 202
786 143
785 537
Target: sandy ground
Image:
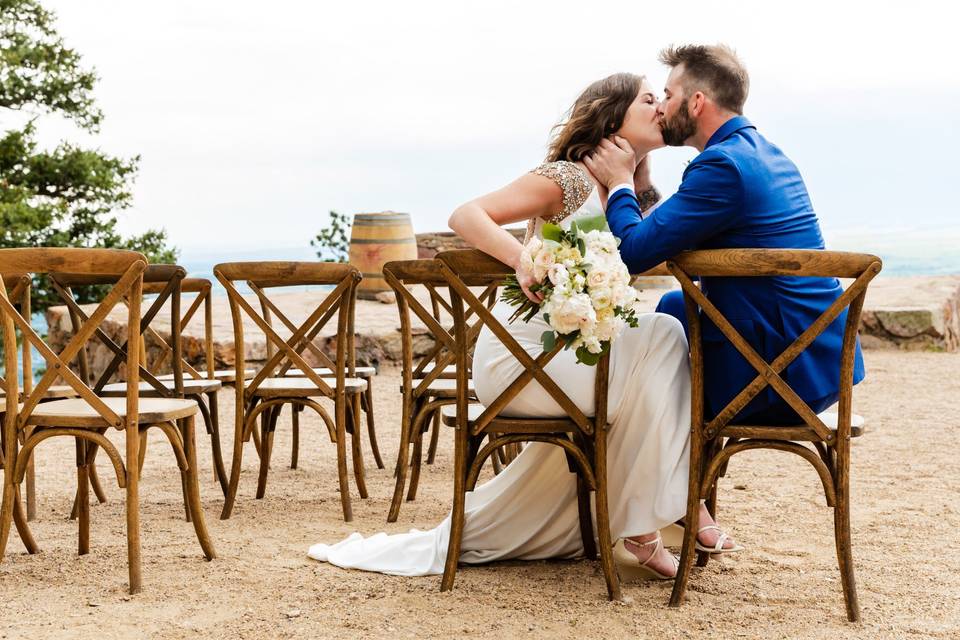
906 518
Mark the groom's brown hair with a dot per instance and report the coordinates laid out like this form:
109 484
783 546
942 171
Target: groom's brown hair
713 69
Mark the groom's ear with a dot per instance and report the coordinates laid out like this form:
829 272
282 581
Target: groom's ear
697 103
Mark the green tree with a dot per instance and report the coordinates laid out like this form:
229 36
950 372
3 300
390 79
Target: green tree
333 241
66 196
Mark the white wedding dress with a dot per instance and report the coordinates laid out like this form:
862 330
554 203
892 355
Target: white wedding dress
529 511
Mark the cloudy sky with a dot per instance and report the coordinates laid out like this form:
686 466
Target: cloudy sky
253 119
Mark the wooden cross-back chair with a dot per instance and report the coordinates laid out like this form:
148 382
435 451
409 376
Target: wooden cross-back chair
198 384
265 394
583 438
714 441
18 292
166 282
269 309
88 416
428 383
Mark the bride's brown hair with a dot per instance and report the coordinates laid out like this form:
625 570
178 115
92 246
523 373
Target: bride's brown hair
597 113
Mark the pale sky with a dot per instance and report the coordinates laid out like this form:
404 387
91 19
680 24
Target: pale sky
254 119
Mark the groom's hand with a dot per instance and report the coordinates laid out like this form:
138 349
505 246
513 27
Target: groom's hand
612 163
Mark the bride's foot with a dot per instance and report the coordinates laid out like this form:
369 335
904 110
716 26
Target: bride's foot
650 553
711 538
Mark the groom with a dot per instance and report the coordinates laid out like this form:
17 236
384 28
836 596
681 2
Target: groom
741 191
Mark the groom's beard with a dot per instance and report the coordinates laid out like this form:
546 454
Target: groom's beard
680 128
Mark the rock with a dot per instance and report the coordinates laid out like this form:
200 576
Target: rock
386 297
908 323
430 244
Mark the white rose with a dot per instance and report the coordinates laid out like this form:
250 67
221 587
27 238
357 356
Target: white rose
601 297
559 275
542 262
598 277
578 281
592 343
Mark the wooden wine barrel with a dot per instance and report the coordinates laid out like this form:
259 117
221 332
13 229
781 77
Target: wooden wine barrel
376 239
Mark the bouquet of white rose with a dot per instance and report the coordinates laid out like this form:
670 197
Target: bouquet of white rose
587 297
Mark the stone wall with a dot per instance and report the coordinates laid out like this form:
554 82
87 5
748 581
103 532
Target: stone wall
430 244
915 314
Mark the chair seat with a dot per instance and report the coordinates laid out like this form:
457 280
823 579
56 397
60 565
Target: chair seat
56 391
303 387
442 388
190 387
449 371
507 424
359 372
227 376
75 412
799 433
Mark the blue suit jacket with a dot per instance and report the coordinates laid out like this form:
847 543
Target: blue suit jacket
743 192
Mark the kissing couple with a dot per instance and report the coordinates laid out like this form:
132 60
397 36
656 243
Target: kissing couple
741 191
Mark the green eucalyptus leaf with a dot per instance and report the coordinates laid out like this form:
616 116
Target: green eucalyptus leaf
549 340
553 232
593 223
587 358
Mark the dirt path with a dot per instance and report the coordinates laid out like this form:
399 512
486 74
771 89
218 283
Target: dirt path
906 486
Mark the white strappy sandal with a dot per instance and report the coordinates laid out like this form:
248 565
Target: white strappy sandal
629 566
721 540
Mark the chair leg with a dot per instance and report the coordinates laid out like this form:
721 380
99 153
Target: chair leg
94 478
367 400
496 461
13 513
295 425
434 438
231 495
341 424
457 515
219 472
586 519
83 498
133 511
713 448
142 452
31 484
23 527
841 521
193 494
603 516
415 463
692 519
406 423
353 416
268 422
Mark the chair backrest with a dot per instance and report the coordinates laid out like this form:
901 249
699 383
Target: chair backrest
400 275
126 268
18 288
287 353
749 263
165 280
467 268
202 288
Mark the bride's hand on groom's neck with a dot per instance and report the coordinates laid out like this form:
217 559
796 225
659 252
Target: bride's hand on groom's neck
612 163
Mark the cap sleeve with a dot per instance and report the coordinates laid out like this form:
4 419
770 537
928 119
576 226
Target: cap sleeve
572 180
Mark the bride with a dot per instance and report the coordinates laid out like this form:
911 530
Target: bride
529 511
